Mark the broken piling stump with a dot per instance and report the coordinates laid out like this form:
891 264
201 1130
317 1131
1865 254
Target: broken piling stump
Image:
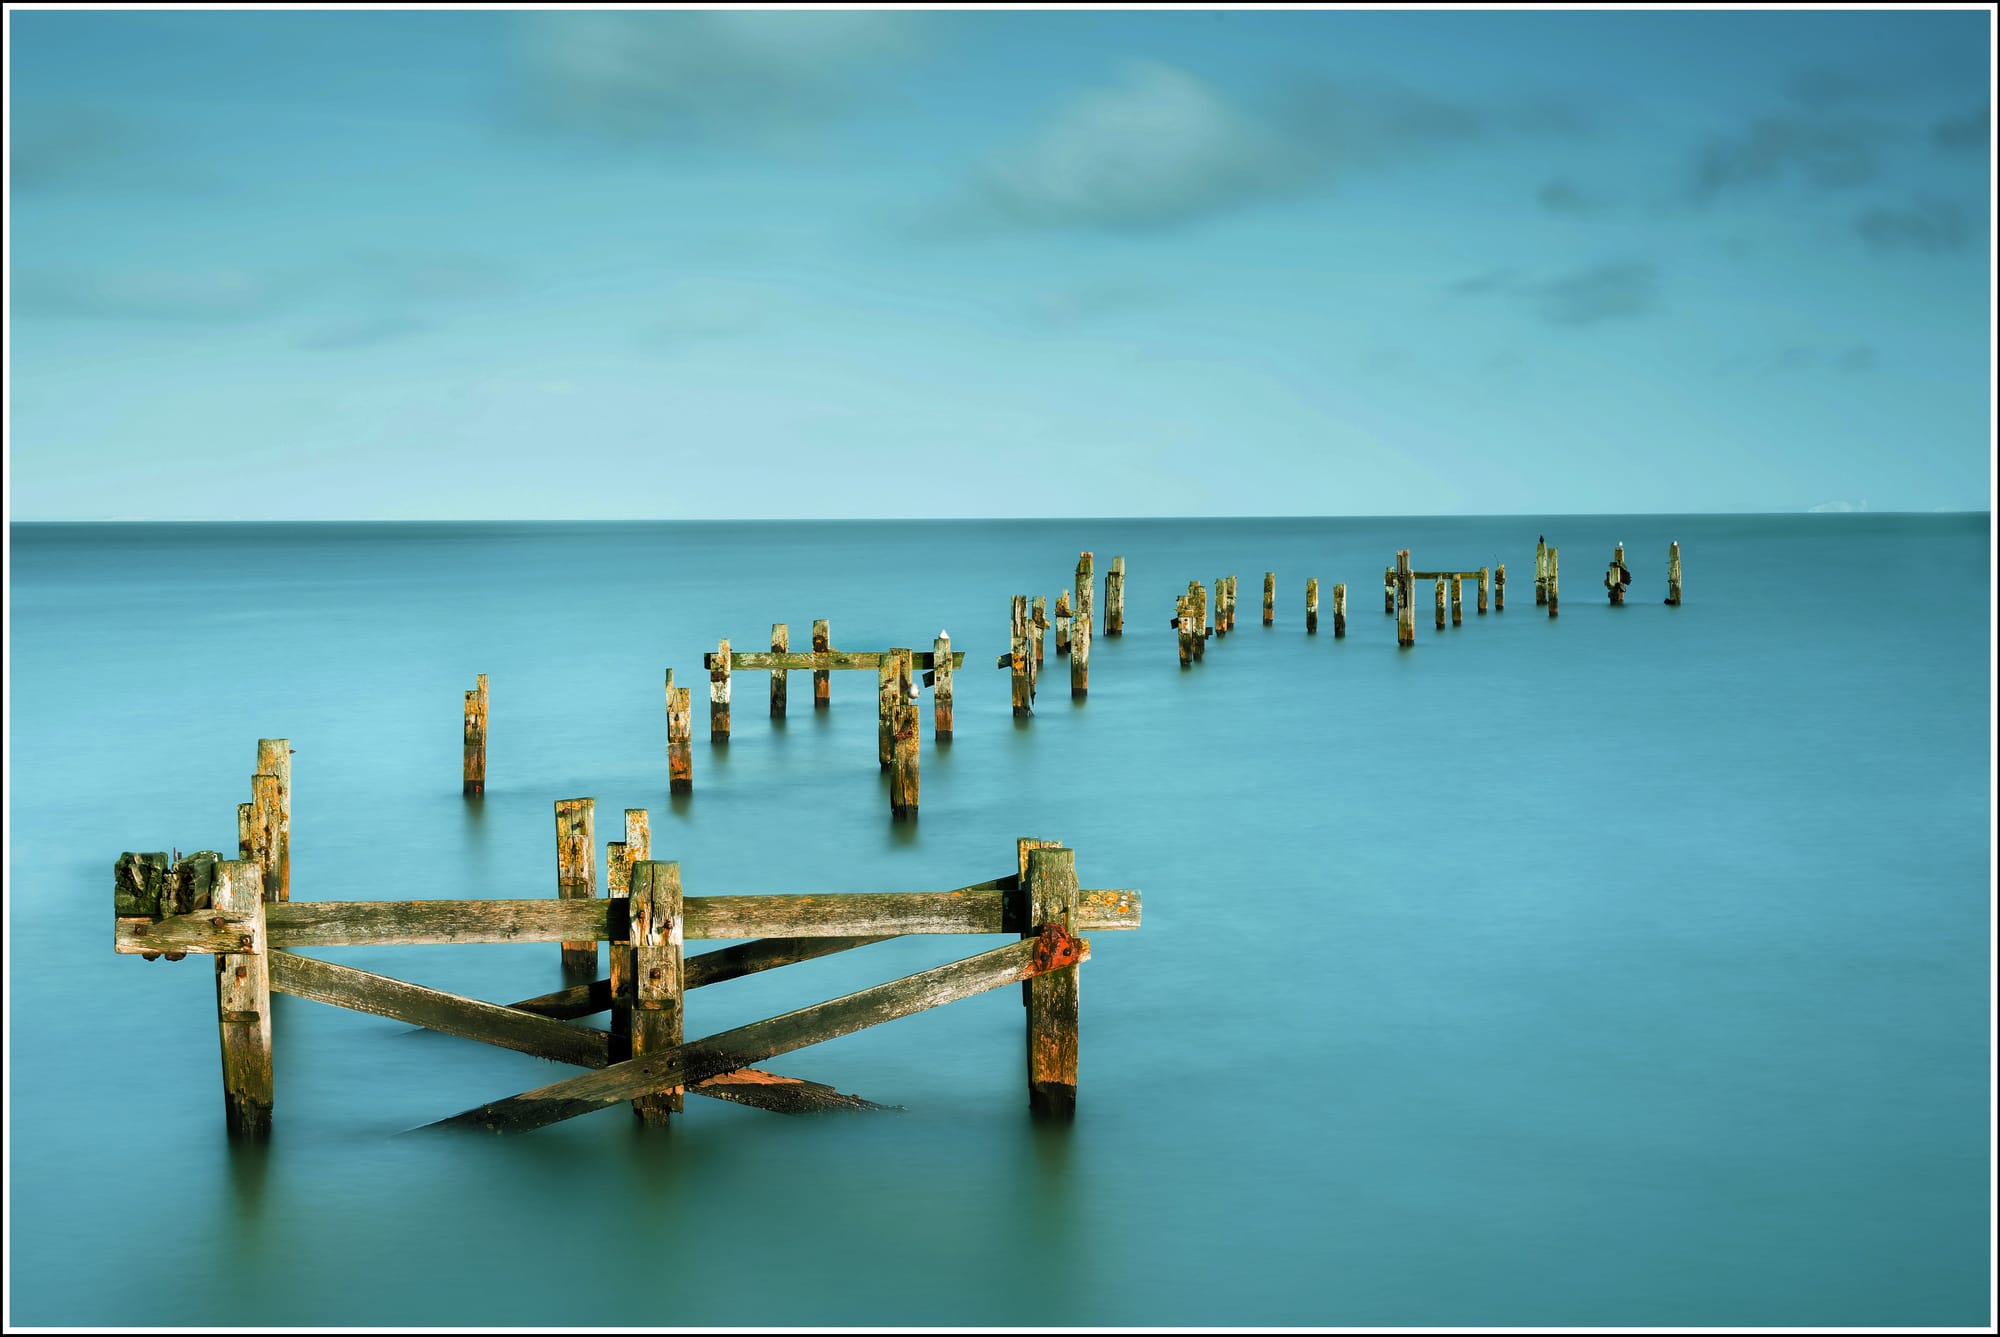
1541 571
1270 596
906 739
1052 997
718 694
658 935
1440 603
576 873
1339 611
781 642
1617 577
1184 627
1312 605
1079 631
941 687
1457 600
1500 587
243 998
822 678
1551 581
1674 574
1038 624
1406 600
1485 583
680 738
619 857
1389 593
1019 660
1062 622
475 738
1114 598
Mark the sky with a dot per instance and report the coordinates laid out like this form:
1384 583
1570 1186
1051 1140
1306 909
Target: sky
714 264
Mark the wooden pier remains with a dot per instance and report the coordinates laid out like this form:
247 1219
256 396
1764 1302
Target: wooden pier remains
1500 587
717 665
576 873
1458 600
207 905
1079 630
1221 607
1551 581
781 643
939 681
1674 574
1617 578
1184 628
1312 605
1270 596
1389 592
1020 660
1062 622
1541 570
680 738
475 738
1406 599
1440 603
1038 626
822 679
1339 611
1114 598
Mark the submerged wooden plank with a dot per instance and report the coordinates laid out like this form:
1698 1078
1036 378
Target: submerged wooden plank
782 1095
748 1045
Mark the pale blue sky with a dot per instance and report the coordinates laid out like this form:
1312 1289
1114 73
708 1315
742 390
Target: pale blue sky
619 264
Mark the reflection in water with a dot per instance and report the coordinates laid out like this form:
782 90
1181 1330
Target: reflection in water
249 1166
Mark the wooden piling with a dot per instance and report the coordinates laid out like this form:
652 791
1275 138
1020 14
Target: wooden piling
1184 627
1541 571
907 736
265 810
576 872
718 695
1221 619
1458 600
1551 582
822 678
1440 603
680 738
781 641
885 709
1339 611
1079 629
1052 998
619 857
657 933
1270 596
1674 574
1312 605
1062 622
1485 584
1500 588
475 743
245 828
1199 592
1230 594
941 687
243 999
1024 691
274 758
1616 577
1406 599
1114 598
1388 593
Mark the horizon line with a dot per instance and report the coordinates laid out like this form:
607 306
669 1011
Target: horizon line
934 519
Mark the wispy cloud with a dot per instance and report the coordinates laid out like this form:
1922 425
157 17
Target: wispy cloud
177 296
1093 301
1825 152
64 147
710 74
362 332
1560 196
1968 132
1611 290
1927 225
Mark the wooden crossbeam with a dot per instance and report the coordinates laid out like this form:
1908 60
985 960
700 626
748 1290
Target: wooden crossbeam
724 963
990 907
1436 575
688 1064
824 660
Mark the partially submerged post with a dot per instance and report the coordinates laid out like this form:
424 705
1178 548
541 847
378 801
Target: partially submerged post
680 738
822 678
1541 571
906 739
1485 583
1388 593
718 695
1339 611
619 858
1406 601
1198 593
1312 605
475 738
886 688
657 937
1440 603
1458 601
1184 627
274 758
1062 622
1114 598
1052 997
941 687
576 872
1079 631
1616 577
1551 581
1270 596
1230 593
781 642
1674 574
1221 623
243 999
1018 653
1500 587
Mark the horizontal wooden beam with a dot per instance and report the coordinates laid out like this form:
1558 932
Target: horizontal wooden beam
782 1095
581 1001
884 914
1435 575
689 1064
752 660
407 923
748 958
201 931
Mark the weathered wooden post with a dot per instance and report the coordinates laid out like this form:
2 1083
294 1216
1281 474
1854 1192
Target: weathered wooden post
1232 603
1053 996
475 738
619 857
1457 600
274 758
1114 598
680 738
243 999
1270 596
1500 588
265 807
1551 582
1312 605
1221 623
822 678
576 872
1406 601
1184 625
657 936
1440 603
781 641
1079 631
246 826
1339 611
1485 584
906 740
1541 570
941 687
1617 577
1674 574
1024 687
718 695
1388 593
1199 592
1062 622
885 709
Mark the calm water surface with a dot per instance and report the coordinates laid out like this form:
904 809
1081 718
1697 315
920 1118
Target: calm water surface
1630 968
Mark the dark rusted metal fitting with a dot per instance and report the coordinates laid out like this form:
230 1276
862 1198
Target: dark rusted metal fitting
1056 947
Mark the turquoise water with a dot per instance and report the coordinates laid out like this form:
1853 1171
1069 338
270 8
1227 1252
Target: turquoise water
1626 969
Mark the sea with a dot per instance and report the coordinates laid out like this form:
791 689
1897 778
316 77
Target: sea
1630 967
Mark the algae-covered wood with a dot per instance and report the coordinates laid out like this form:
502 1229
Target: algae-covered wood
1052 995
243 1000
656 933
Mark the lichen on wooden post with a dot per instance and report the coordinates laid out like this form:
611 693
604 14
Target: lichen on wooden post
718 695
1440 603
1674 574
1052 997
822 678
1062 622
941 687
1020 660
1114 598
906 742
1551 581
1038 625
1312 605
1229 595
265 821
1199 593
1406 598
274 758
1500 588
243 999
1079 630
1270 596
680 738
1389 593
475 740
781 641
619 858
1339 611
657 961
1221 622
1457 600
1616 577
1485 584
246 826
1184 627
576 872
1541 571
886 689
